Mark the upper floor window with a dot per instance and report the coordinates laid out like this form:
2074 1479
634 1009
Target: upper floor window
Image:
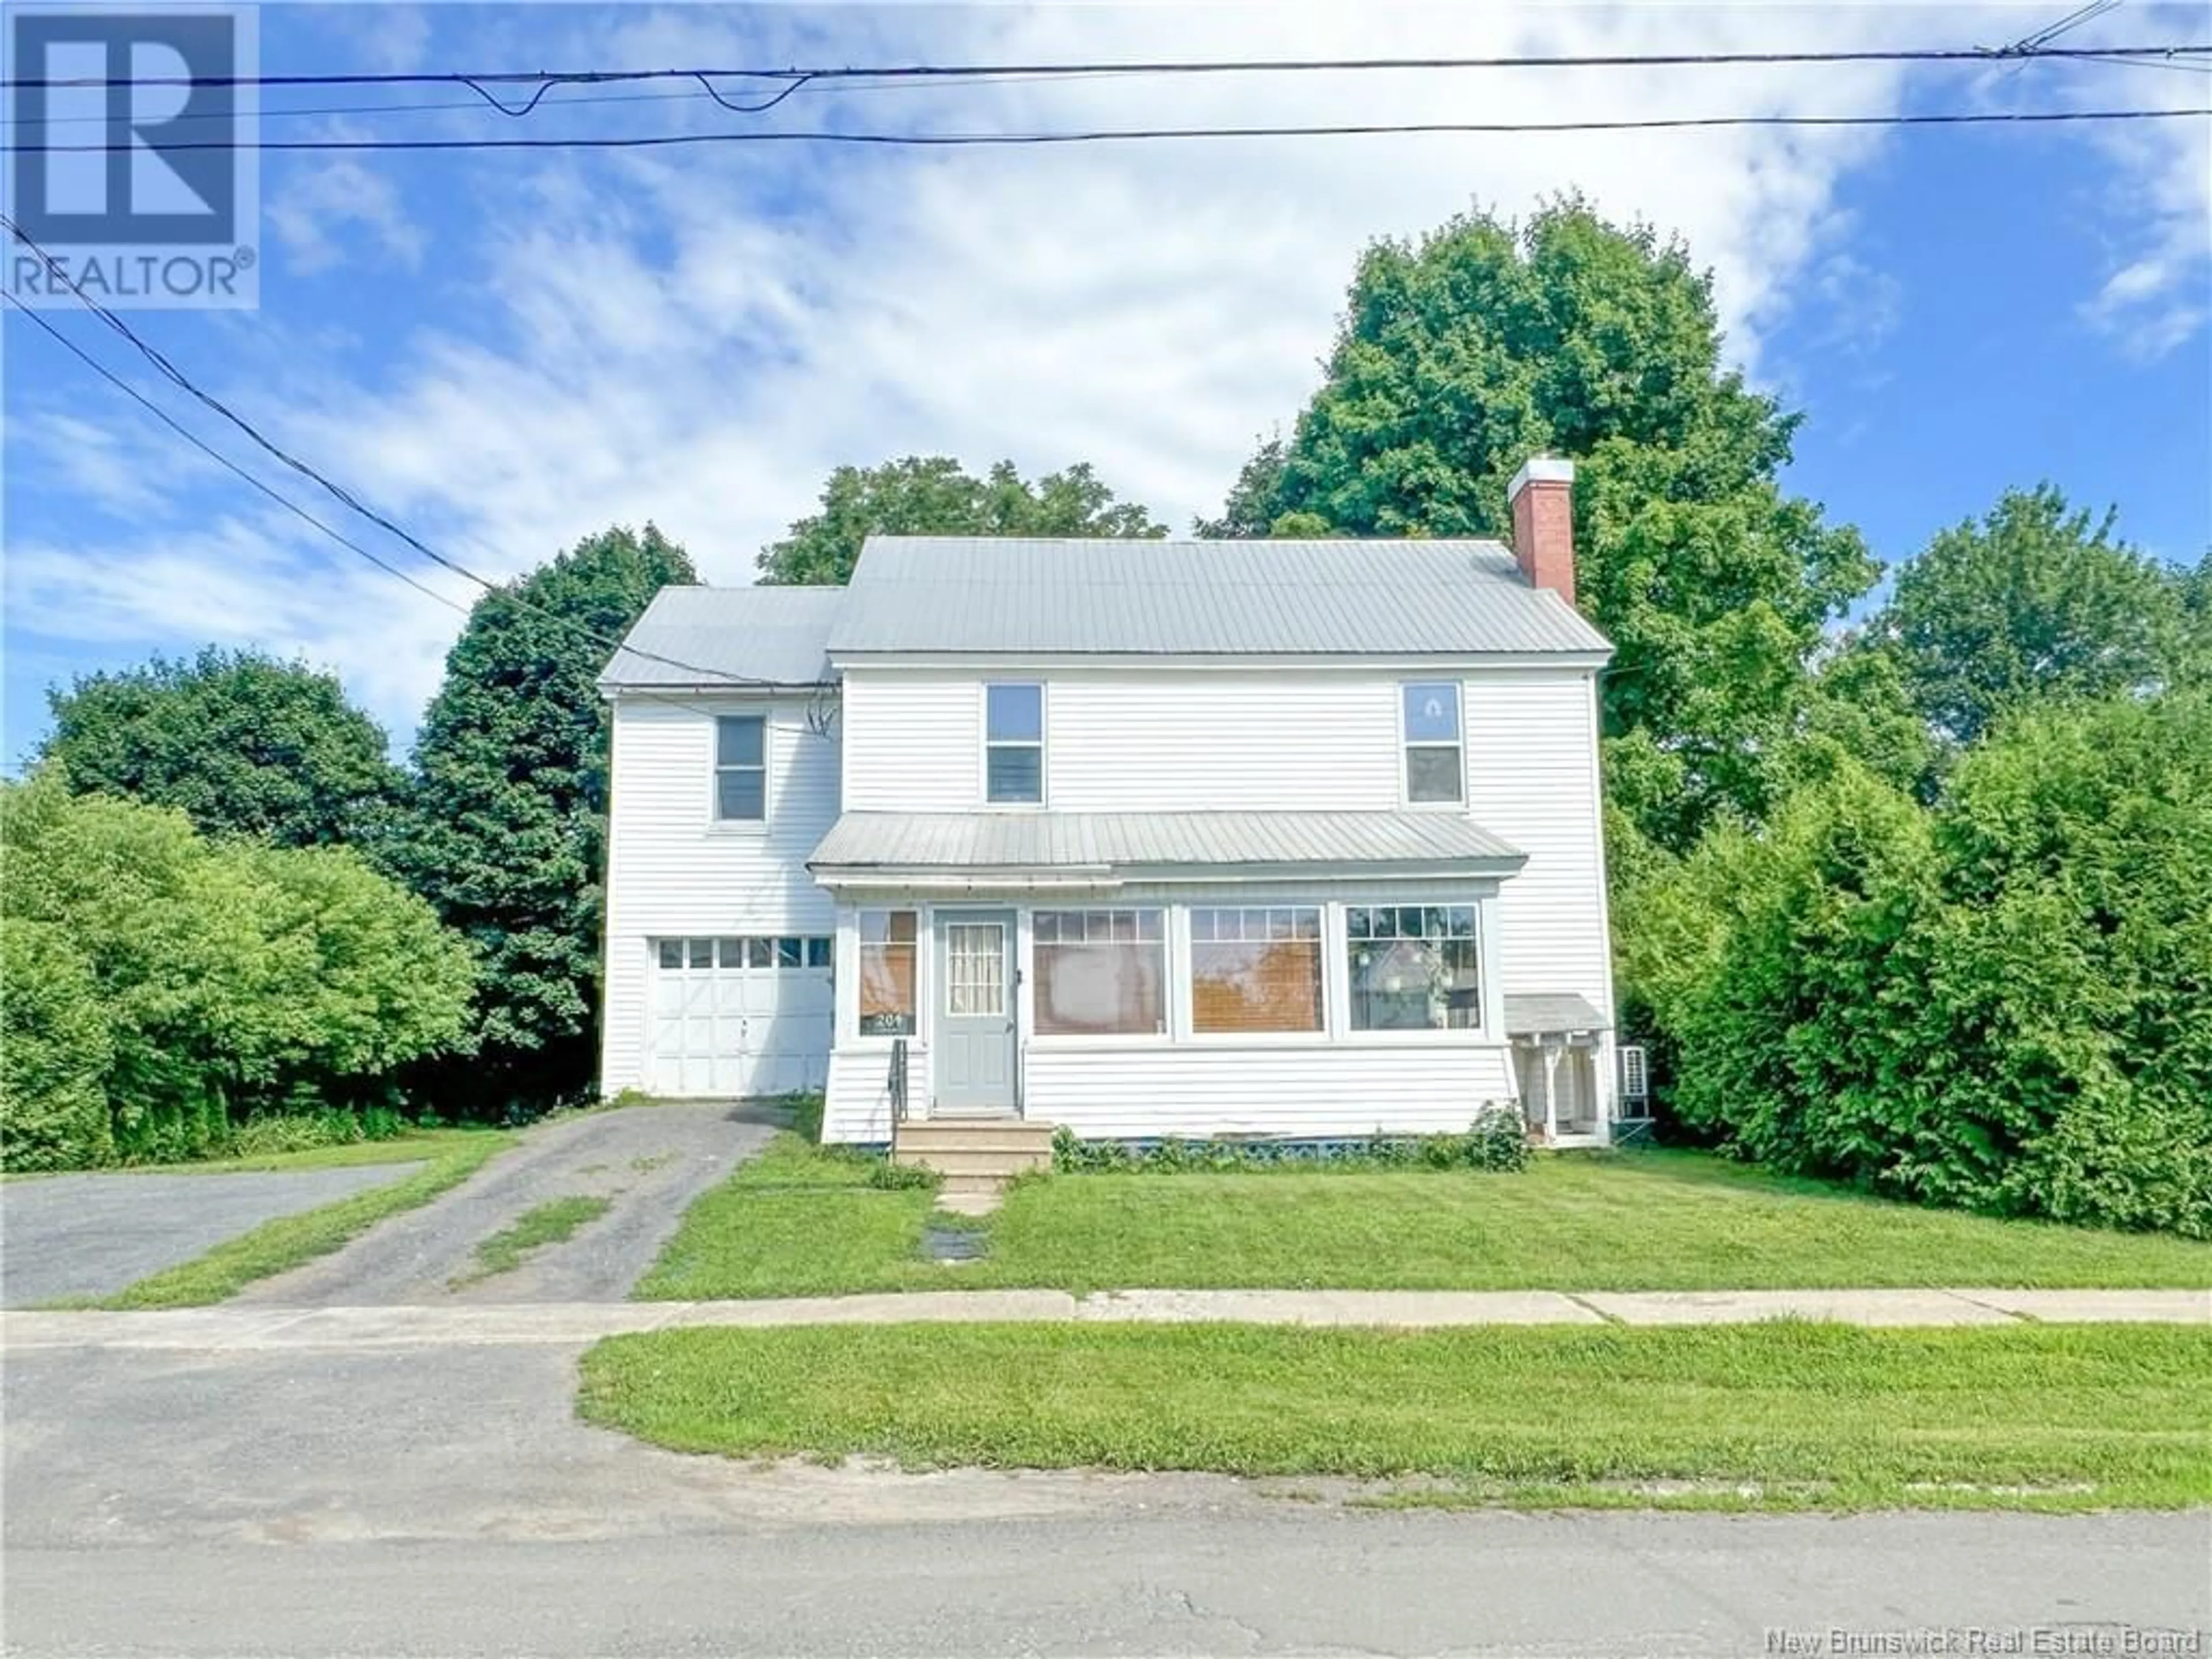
1013 744
740 766
1431 718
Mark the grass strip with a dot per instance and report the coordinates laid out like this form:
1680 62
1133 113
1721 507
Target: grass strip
1788 1415
277 1246
802 1220
549 1223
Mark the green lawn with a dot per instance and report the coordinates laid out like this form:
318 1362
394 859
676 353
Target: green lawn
286 1243
802 1221
1773 1416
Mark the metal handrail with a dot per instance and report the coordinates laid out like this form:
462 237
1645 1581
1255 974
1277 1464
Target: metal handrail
898 1080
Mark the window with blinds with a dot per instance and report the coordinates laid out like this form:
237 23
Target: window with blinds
886 973
1256 968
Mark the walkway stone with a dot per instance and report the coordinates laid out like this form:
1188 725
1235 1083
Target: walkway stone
244 1327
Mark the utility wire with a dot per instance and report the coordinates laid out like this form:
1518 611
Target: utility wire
1124 135
580 100
1224 66
176 377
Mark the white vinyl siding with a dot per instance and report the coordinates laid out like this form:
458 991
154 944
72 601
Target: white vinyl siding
1345 1089
1531 779
675 871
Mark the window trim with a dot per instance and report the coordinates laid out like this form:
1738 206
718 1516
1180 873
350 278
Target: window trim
1032 980
1407 744
1187 989
1042 745
715 768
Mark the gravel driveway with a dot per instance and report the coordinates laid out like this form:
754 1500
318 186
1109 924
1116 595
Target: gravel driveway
91 1235
650 1162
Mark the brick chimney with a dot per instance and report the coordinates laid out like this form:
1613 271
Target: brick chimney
1542 495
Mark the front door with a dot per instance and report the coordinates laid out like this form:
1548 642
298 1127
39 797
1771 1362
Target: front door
972 1064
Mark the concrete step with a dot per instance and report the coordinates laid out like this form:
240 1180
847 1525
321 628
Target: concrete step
1011 1133
972 1183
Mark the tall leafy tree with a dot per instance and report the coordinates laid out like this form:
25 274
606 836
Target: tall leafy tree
1461 354
2036 600
506 828
933 495
242 742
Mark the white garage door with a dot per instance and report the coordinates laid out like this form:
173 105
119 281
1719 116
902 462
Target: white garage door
740 1016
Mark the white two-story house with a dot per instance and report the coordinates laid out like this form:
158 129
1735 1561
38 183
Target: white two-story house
1289 839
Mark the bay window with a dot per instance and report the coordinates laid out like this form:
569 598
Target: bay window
1255 969
1413 968
1100 972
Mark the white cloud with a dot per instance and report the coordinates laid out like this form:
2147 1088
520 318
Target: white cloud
696 337
318 207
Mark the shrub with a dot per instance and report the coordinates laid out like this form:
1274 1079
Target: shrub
239 981
54 1047
1496 1140
2004 1004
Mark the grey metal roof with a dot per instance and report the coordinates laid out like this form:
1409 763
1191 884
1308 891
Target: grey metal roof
1011 595
1120 841
778 635
1538 1013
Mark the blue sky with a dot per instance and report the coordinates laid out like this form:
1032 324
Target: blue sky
507 351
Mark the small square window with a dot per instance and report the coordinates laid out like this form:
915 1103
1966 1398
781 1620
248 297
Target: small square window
730 952
817 953
759 952
702 952
790 953
671 953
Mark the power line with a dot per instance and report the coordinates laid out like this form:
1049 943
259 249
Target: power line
1123 134
1164 67
176 377
478 103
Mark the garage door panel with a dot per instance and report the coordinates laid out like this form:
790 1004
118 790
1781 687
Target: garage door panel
740 1015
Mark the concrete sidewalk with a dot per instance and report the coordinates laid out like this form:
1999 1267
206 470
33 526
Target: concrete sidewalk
237 1327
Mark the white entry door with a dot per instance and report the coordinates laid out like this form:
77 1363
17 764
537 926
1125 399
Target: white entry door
738 1015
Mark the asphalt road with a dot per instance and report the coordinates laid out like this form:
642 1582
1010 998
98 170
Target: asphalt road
445 1500
651 1161
91 1235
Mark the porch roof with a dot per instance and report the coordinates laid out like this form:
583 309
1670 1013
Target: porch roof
862 846
1543 1014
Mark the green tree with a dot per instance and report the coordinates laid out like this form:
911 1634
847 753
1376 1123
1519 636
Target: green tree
239 741
1461 354
2036 600
55 1048
505 831
933 495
